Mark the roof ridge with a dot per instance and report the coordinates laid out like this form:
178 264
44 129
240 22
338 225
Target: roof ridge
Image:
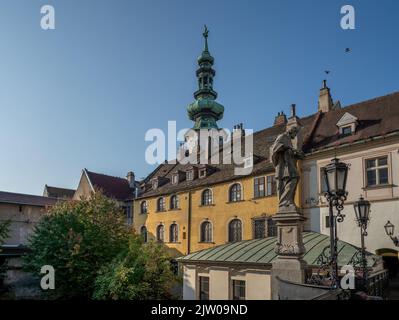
106 175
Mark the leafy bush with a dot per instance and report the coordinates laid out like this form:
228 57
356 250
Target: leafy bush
4 229
142 271
77 238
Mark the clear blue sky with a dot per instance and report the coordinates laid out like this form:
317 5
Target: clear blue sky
85 94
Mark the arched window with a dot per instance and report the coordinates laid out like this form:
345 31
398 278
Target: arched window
174 202
206 198
143 233
173 232
161 204
206 231
160 233
143 207
235 193
235 230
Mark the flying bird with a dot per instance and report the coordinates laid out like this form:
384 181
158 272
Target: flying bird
327 71
347 49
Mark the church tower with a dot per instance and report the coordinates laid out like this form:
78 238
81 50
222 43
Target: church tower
204 111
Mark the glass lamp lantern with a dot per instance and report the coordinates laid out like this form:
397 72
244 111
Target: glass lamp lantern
389 228
362 211
335 175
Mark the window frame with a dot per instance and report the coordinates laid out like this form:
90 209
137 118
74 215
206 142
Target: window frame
209 198
229 229
254 230
174 236
174 202
257 190
146 207
159 208
206 236
200 288
144 235
241 286
158 233
237 192
376 168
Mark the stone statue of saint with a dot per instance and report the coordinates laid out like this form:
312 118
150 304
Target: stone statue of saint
284 158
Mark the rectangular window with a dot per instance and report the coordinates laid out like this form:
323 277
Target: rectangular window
259 187
238 290
260 228
347 131
204 288
190 175
271 186
377 171
271 228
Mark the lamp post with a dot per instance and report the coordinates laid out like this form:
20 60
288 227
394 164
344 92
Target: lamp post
362 211
335 175
389 229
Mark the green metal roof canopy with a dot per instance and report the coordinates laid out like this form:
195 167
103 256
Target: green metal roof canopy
261 251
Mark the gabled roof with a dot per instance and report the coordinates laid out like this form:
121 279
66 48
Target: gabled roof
261 251
376 117
26 199
55 192
114 187
347 118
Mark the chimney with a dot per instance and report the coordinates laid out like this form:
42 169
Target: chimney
280 119
293 110
130 179
238 131
325 101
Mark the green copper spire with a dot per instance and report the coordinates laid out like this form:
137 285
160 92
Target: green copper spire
205 111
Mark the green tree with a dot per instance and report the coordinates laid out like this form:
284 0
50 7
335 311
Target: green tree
4 229
143 271
77 238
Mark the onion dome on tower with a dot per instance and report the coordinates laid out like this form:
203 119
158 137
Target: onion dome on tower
205 111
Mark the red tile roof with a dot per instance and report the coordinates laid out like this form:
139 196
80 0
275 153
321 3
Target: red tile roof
376 117
114 187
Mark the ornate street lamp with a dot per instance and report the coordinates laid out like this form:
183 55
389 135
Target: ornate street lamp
335 175
362 211
389 229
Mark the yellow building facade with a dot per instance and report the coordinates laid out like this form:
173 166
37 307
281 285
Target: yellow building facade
191 214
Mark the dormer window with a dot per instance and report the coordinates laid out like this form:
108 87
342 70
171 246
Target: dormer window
191 173
175 179
347 131
202 173
347 124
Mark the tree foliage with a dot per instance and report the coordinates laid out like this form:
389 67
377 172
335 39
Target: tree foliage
4 229
77 238
143 271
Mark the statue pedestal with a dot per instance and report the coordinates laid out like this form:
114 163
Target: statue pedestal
289 264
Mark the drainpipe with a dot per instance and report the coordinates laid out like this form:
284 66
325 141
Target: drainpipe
189 223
